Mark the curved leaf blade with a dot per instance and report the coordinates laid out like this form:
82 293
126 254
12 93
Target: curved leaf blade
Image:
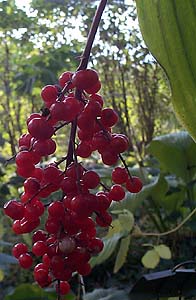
122 253
173 45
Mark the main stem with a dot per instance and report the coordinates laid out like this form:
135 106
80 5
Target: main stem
82 66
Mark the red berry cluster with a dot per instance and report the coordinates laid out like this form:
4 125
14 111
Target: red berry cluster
69 238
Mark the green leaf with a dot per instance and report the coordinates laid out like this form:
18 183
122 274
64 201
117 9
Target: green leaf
106 294
126 220
163 251
175 145
159 191
122 253
115 228
174 201
28 291
173 45
150 259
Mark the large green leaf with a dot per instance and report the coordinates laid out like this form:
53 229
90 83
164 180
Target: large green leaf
28 291
176 154
168 28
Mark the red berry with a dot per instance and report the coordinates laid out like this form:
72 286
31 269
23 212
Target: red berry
95 88
84 269
25 260
109 158
14 209
84 149
19 249
119 143
85 79
39 235
98 98
31 185
95 246
49 93
40 129
119 175
116 193
134 184
104 219
56 209
41 276
91 179
63 288
25 140
109 117
65 78
39 248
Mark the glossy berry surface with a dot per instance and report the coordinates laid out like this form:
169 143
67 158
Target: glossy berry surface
64 202
134 184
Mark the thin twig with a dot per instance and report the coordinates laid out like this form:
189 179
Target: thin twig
141 234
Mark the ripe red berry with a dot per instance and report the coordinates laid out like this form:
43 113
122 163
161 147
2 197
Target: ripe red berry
95 245
63 288
65 78
39 248
41 276
134 184
116 193
49 93
25 260
19 249
109 117
95 88
84 149
85 79
40 129
109 158
119 175
91 179
98 98
119 143
56 209
31 185
14 209
84 269
104 219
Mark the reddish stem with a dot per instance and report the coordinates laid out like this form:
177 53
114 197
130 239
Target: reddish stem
82 66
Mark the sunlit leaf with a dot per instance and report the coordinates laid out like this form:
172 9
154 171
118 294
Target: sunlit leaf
173 45
150 259
126 220
163 251
122 253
